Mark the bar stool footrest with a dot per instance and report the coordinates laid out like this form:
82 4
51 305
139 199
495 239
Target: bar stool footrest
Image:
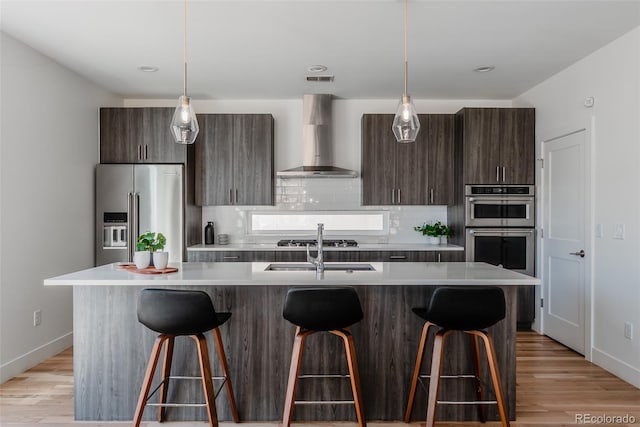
470 402
178 405
323 402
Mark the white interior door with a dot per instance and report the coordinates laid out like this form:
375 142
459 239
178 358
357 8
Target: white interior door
564 239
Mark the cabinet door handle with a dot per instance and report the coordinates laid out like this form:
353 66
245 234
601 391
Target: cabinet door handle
146 156
231 257
504 174
439 259
497 173
397 257
230 196
139 152
399 199
236 196
431 196
393 196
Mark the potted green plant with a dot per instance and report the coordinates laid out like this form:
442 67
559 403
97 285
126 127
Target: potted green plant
149 244
435 232
444 232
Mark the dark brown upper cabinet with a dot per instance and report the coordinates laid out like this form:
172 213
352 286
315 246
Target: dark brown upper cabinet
138 135
417 173
441 144
498 145
234 159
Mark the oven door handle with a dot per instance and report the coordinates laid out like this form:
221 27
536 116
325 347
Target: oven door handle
500 199
500 231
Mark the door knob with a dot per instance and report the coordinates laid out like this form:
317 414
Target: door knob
580 253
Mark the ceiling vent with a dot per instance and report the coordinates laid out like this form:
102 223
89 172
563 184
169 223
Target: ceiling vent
319 78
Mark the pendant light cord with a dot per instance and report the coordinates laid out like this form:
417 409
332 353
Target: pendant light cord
184 50
406 61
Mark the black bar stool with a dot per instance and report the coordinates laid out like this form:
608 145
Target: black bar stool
332 310
175 313
467 309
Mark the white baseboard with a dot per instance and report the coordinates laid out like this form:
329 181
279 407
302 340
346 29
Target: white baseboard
32 358
616 366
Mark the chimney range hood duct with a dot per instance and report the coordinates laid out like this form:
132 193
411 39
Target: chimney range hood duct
316 138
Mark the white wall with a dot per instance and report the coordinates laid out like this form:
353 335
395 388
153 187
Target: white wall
612 76
48 149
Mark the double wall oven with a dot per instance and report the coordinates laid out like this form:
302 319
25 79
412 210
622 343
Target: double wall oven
500 226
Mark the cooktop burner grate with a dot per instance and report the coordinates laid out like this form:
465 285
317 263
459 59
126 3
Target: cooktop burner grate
339 243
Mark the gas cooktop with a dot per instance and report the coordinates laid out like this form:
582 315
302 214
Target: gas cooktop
295 243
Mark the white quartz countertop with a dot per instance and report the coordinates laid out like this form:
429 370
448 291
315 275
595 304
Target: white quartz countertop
254 274
360 247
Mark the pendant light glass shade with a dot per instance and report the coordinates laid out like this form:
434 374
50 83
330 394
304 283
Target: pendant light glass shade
406 124
184 125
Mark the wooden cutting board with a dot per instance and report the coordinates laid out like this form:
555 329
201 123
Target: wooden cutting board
149 270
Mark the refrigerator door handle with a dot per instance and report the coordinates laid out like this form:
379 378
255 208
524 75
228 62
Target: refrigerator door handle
136 222
130 227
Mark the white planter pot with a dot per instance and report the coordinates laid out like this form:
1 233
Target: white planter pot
443 240
433 240
142 259
160 260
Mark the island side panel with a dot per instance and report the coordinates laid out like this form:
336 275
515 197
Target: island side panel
111 350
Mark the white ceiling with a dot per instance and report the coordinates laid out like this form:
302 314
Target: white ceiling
261 49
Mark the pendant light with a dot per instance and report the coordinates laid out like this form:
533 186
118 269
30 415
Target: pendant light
184 125
406 124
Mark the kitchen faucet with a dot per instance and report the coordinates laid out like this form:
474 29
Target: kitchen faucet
318 261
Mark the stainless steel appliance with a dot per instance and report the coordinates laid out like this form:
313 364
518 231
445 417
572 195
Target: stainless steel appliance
317 144
499 221
499 206
132 199
511 248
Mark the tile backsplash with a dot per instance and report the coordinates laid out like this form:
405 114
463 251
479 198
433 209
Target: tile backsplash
323 194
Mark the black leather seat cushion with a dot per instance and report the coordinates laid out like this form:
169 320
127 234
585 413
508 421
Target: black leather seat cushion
178 312
322 309
464 308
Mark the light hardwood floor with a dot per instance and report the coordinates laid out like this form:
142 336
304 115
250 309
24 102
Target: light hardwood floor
553 383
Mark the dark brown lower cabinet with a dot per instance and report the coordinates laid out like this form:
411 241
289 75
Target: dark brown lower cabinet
292 256
526 297
329 256
231 256
450 256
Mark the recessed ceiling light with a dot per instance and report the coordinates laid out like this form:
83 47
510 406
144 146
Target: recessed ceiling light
317 69
484 69
148 69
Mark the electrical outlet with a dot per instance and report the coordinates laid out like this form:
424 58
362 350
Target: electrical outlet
37 317
628 330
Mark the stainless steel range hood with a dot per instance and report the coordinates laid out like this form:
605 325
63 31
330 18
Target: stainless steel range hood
317 161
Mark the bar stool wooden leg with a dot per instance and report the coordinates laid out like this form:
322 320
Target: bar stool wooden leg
207 383
354 374
495 376
225 372
434 381
475 354
148 377
416 371
296 358
166 372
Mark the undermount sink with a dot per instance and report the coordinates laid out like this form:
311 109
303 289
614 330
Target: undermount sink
327 267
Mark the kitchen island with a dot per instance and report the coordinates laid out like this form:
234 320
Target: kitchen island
111 348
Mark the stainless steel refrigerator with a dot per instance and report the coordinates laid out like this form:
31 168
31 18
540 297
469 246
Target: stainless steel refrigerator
133 199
